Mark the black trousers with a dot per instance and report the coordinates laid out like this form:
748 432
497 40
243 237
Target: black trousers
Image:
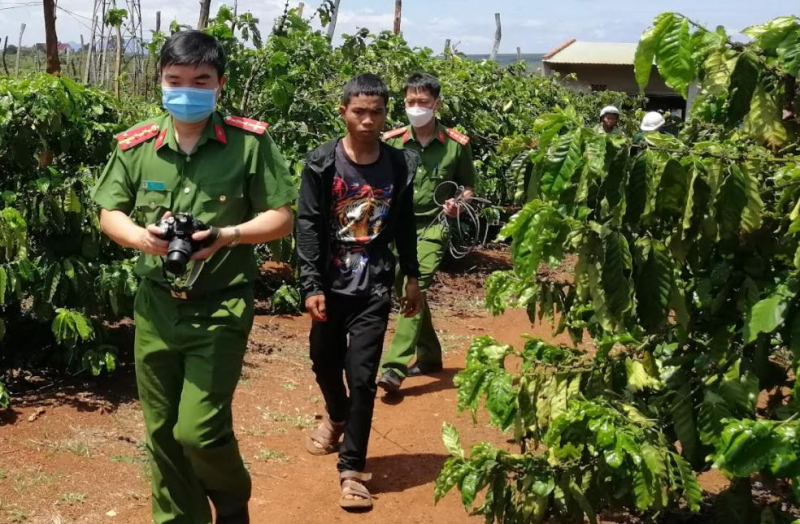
351 341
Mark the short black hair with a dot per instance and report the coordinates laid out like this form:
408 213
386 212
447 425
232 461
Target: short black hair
193 48
367 84
424 82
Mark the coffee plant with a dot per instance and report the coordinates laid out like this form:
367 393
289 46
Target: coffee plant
683 268
56 268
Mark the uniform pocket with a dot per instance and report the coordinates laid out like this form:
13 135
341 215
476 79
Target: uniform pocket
222 204
151 205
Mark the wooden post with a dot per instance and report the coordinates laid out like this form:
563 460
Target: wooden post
38 58
498 35
447 50
235 15
300 9
79 74
205 8
90 49
107 70
19 48
135 60
90 54
334 17
398 15
519 54
51 38
118 64
157 65
100 77
5 47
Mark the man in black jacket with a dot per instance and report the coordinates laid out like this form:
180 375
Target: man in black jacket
356 198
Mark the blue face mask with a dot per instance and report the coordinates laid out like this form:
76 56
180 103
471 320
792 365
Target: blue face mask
189 104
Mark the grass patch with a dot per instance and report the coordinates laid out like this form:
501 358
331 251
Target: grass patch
142 460
24 480
124 459
72 498
272 455
255 432
296 420
16 514
82 443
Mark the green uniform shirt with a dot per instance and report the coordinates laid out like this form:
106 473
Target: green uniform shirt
233 174
448 157
616 131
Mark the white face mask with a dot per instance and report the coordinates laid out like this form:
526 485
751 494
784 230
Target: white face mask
419 116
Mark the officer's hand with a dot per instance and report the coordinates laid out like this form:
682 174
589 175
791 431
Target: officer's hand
150 241
411 303
225 237
451 208
316 307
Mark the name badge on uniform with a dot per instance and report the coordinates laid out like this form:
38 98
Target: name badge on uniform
153 185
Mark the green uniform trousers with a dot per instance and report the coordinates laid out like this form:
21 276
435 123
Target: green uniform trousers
416 335
189 357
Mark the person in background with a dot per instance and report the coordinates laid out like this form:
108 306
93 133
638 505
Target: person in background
191 339
651 122
356 199
609 121
446 164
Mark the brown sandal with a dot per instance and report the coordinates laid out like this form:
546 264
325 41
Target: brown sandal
327 435
353 485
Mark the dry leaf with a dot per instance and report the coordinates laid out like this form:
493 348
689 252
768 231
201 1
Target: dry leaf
36 414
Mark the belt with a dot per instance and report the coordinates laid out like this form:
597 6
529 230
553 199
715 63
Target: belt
192 295
182 295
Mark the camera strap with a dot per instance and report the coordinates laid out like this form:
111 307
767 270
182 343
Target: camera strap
184 283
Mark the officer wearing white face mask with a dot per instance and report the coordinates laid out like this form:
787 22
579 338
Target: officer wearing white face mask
445 156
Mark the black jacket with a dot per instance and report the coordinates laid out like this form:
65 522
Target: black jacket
313 220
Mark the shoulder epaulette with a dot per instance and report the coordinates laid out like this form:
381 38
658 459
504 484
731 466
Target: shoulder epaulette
458 137
135 136
394 133
248 124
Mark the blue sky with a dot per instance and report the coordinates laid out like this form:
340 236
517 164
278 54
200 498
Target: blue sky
533 25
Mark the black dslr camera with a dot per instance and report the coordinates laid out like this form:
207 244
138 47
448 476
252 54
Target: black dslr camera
178 230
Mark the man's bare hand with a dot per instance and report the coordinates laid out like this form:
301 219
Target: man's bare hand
150 241
315 306
224 237
412 300
452 208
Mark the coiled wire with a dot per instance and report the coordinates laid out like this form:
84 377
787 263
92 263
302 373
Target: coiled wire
467 231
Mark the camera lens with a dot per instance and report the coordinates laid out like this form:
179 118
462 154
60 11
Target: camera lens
178 255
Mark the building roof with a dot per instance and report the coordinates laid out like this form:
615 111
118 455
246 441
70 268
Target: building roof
574 52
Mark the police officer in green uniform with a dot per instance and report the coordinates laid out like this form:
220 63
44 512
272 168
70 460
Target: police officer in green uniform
446 166
192 330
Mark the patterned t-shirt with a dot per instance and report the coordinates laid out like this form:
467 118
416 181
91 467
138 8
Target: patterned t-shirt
362 196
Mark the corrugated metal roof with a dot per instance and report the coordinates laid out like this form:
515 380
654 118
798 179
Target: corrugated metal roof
593 53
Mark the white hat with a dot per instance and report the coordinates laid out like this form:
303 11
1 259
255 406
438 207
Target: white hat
609 110
652 121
